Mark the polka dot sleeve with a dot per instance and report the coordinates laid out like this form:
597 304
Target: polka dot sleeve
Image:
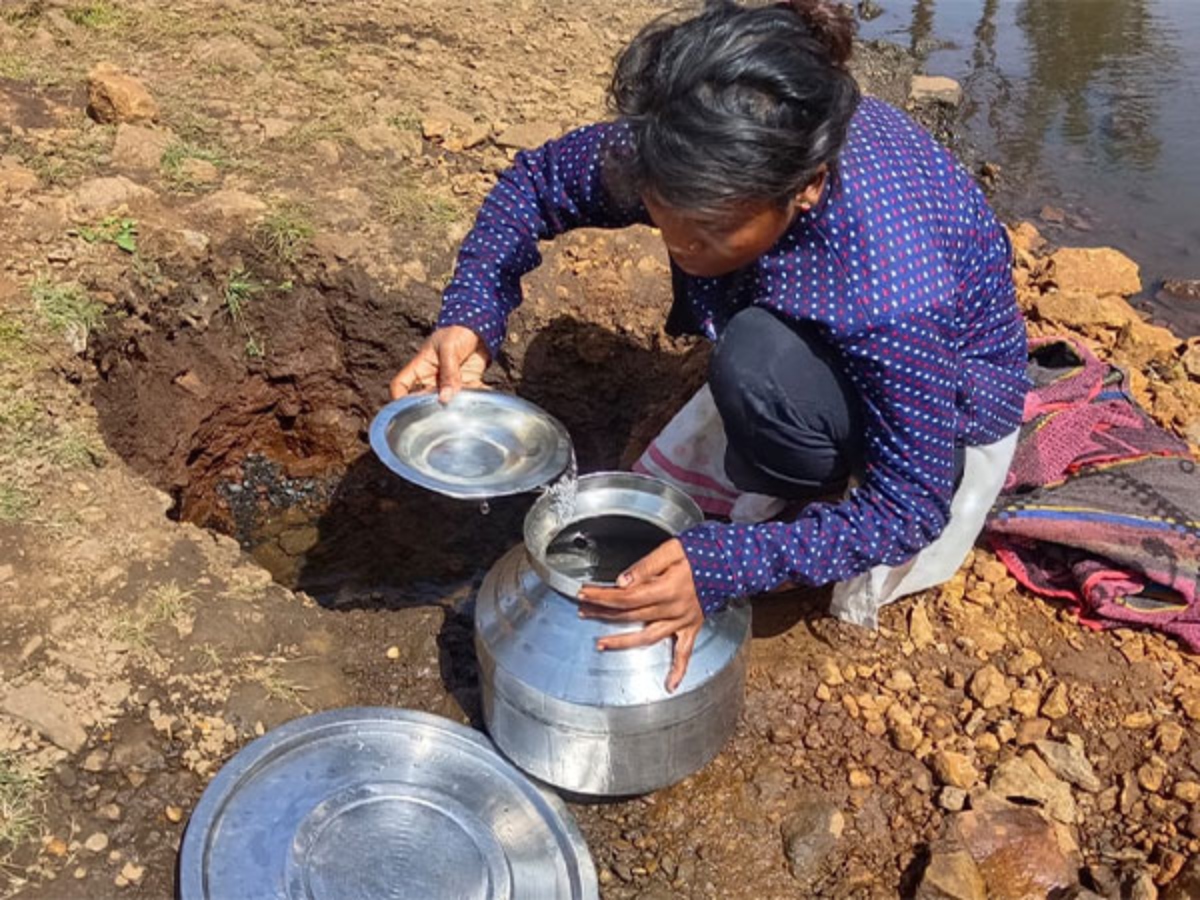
546 192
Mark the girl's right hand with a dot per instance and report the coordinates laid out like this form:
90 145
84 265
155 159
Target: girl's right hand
451 359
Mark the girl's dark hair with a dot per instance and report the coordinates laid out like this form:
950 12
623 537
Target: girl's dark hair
736 104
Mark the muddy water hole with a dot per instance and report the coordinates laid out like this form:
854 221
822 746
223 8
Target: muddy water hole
199 317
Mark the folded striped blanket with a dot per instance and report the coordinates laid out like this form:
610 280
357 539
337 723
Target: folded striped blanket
1101 506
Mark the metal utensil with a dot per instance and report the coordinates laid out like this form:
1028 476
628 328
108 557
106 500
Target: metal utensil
481 444
370 803
605 494
589 722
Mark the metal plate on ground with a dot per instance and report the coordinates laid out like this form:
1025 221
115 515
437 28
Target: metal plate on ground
367 803
481 444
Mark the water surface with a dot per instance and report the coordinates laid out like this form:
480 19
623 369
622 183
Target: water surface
1091 107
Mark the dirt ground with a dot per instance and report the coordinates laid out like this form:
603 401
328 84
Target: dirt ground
199 315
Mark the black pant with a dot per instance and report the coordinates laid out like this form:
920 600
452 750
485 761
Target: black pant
793 419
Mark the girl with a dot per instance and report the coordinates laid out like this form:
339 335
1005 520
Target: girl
857 285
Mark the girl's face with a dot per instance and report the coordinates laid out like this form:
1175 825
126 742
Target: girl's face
709 248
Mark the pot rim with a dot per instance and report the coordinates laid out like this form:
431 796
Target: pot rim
540 528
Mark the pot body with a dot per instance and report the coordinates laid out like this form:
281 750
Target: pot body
595 723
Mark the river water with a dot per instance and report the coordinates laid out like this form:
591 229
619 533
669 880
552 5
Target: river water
1091 108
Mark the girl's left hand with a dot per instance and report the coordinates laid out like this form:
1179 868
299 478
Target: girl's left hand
658 590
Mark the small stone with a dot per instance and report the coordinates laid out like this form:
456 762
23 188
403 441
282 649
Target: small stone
810 834
174 814
1186 885
96 843
900 681
1069 763
987 743
1056 705
988 688
1095 270
829 673
1017 780
1024 663
35 704
137 147
199 171
1025 702
56 846
1137 721
952 799
1187 791
823 693
1170 737
860 779
920 631
1031 731
80 873
115 97
393 652
96 761
935 89
230 53
954 769
952 876
132 873
1150 776
110 811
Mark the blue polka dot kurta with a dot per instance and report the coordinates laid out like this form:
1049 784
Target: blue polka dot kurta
907 273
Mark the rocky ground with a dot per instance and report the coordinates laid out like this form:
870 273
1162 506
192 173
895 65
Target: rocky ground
205 286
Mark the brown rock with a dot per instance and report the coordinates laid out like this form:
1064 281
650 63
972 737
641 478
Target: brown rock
138 147
1024 662
1032 730
199 171
529 135
229 52
115 97
954 769
1150 776
1057 704
952 876
455 129
103 195
1187 791
231 204
1096 270
920 631
988 688
1190 358
15 178
42 709
1025 702
935 89
1018 852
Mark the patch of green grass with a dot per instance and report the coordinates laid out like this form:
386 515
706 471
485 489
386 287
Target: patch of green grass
240 289
285 231
16 504
211 655
406 121
178 153
15 66
118 231
97 14
66 307
278 687
20 804
162 605
408 203
12 338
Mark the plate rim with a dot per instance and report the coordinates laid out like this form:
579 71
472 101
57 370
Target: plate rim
216 795
482 490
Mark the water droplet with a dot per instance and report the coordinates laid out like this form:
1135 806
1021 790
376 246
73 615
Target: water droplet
484 508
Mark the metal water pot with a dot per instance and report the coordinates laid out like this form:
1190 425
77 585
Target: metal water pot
585 721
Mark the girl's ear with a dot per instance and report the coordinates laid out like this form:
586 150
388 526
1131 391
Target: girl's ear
808 198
